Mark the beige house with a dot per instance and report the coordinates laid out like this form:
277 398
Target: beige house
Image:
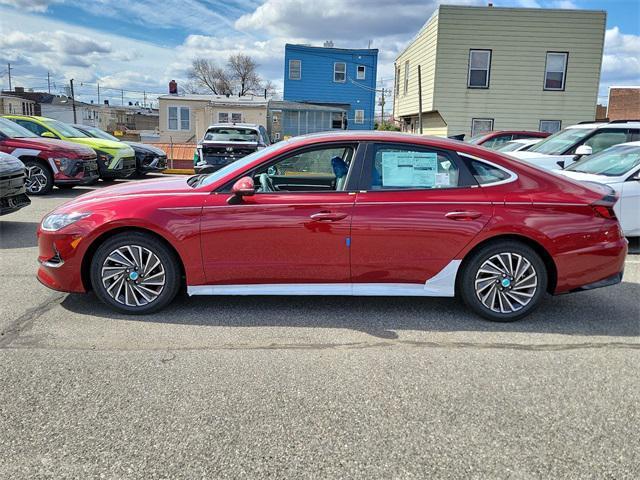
490 68
12 105
185 118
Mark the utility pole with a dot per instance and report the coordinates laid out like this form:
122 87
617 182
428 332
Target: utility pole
144 102
73 101
419 99
9 70
382 109
48 82
122 97
98 93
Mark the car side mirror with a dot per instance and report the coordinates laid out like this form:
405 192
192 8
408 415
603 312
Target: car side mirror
583 150
635 177
244 187
48 135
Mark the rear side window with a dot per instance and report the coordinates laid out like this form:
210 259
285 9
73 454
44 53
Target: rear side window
397 168
485 173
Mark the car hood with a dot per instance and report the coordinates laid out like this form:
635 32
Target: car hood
9 164
101 144
587 177
146 148
533 155
48 144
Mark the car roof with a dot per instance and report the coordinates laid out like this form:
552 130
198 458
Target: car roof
617 124
525 140
243 125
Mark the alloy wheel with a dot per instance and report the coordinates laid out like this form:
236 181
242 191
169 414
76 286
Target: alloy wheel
133 275
506 282
36 180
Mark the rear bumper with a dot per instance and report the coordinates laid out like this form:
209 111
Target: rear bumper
596 266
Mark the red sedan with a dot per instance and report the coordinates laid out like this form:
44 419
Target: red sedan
341 214
495 140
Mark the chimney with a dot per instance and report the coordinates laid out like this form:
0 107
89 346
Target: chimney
106 102
328 44
19 90
173 87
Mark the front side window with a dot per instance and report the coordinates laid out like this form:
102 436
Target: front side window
339 72
295 69
13 130
321 169
361 72
604 139
481 125
359 118
550 126
396 167
555 70
32 127
479 68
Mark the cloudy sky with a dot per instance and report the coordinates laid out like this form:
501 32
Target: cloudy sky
140 45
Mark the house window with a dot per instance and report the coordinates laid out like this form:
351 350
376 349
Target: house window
223 117
236 117
481 125
555 71
550 126
295 69
479 68
179 118
336 120
339 72
359 118
360 73
406 77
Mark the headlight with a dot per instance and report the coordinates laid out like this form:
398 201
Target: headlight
104 156
56 221
63 163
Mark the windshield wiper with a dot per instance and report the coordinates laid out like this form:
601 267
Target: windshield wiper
195 180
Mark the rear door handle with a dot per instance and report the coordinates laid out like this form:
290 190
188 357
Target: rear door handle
465 215
328 216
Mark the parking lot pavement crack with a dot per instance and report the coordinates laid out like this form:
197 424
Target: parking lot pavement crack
24 321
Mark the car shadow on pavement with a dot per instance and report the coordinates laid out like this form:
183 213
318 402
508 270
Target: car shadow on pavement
593 313
18 234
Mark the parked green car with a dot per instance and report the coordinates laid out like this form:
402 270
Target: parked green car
115 159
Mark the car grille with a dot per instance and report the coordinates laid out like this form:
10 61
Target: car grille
15 201
12 183
129 163
90 167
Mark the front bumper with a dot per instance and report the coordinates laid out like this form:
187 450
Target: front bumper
151 163
60 258
81 172
12 203
125 167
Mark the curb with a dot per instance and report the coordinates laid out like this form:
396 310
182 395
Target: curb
179 171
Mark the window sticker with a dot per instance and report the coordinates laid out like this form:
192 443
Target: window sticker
412 169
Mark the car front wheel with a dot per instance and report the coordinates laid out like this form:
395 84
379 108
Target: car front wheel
39 179
504 281
135 273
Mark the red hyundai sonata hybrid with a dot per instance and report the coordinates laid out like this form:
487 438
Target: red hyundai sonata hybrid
341 214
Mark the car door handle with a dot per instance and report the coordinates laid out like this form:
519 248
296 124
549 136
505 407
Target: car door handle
328 216
465 215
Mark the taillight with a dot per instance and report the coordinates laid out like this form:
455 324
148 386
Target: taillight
604 211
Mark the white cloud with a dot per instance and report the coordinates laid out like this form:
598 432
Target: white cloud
28 5
566 4
620 62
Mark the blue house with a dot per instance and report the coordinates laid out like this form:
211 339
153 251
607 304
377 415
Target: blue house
339 77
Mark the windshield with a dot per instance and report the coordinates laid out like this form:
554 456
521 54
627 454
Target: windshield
231 134
477 138
238 165
64 129
560 142
13 130
612 162
97 133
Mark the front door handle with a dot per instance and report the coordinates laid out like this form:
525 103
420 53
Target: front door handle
328 216
465 215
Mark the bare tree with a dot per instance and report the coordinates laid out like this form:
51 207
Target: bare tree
207 74
191 86
242 69
269 88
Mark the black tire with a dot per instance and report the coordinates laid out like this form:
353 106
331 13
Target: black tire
44 174
515 289
146 242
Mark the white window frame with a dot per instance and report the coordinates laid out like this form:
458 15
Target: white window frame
179 118
299 69
364 72
559 123
406 78
358 113
335 71
487 69
223 121
231 114
474 120
564 71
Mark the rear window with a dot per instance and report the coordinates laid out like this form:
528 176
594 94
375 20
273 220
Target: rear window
485 173
231 134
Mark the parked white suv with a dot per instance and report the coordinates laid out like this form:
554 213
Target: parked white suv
565 147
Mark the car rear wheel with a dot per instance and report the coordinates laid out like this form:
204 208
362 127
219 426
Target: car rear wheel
504 281
135 273
39 179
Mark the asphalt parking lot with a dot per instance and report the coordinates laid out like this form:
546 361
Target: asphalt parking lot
256 387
